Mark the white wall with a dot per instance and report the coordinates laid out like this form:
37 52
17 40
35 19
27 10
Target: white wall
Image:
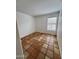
19 52
59 32
41 23
25 23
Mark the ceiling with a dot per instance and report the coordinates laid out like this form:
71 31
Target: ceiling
38 7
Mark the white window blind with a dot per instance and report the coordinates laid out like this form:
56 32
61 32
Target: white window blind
51 24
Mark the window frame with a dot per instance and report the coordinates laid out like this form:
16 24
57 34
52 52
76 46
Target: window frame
52 24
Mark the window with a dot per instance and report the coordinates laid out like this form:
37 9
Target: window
51 24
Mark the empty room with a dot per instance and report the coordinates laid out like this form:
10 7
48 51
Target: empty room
38 29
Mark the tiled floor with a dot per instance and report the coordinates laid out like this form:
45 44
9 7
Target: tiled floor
40 46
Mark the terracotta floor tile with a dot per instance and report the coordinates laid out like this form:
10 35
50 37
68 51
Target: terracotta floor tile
30 57
27 46
56 56
40 46
55 42
40 56
50 48
51 43
56 51
43 41
33 52
43 50
39 39
46 57
29 50
45 46
56 46
50 53
37 45
47 37
46 42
